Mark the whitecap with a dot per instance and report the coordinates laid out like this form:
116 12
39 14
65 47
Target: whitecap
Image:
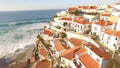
19 38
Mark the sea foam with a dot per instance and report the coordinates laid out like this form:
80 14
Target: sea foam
19 38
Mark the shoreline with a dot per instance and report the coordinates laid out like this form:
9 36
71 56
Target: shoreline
18 57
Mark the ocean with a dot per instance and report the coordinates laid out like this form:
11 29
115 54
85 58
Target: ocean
20 28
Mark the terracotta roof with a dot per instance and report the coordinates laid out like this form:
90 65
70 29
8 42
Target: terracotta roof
69 53
85 7
103 23
67 19
43 64
93 7
48 32
73 9
110 32
113 32
117 34
88 61
107 15
82 21
59 45
76 42
98 52
81 51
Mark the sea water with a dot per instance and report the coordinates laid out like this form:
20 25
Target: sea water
20 28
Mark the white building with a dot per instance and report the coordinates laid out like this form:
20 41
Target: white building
111 38
118 25
80 25
61 14
92 16
93 58
62 22
101 25
105 17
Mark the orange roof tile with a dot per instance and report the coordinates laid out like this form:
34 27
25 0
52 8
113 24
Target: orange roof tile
69 53
48 32
81 21
73 9
59 45
110 32
67 19
103 23
93 7
107 15
43 64
117 34
113 32
59 48
98 52
76 42
88 61
81 50
85 7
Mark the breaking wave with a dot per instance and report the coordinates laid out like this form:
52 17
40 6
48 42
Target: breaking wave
19 38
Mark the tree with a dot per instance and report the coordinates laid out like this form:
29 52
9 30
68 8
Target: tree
63 35
65 24
112 64
76 13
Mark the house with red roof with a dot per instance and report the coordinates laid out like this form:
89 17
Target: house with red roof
93 9
73 9
88 8
111 38
65 52
73 42
92 57
91 16
105 17
48 32
84 8
80 25
99 26
64 21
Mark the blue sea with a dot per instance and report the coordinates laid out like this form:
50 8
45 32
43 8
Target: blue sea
20 28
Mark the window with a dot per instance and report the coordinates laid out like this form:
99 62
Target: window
98 60
115 38
114 45
90 53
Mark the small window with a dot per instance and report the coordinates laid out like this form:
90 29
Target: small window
98 60
115 38
114 45
90 53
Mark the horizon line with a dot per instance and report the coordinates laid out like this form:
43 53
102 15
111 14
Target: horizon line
32 9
